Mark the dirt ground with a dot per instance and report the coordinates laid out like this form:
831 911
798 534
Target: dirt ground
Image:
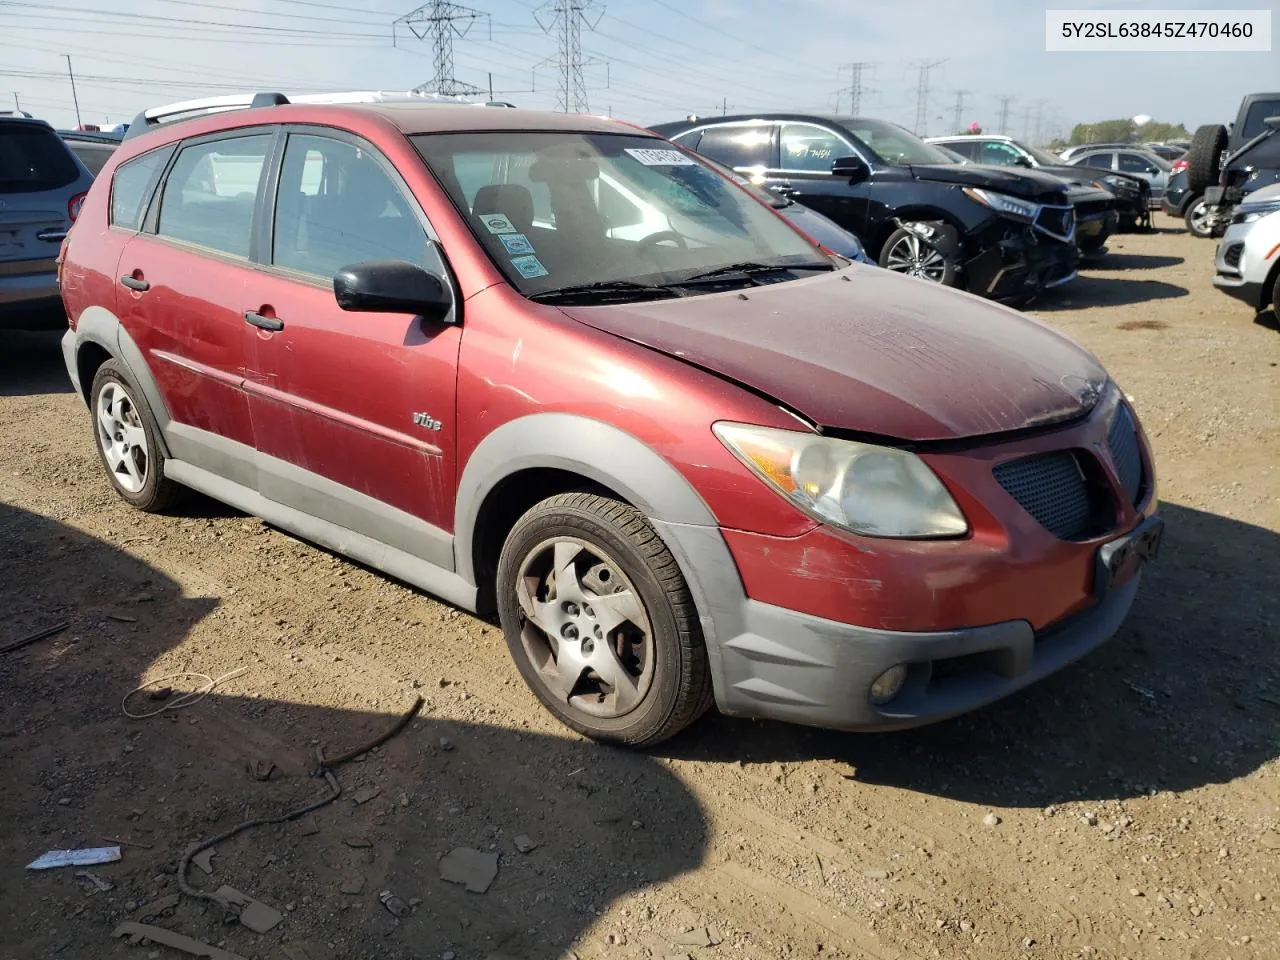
1128 807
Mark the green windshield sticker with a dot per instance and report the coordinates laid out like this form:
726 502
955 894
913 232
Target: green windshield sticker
497 223
516 243
529 267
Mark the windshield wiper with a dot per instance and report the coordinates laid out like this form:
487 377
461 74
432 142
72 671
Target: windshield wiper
750 268
604 291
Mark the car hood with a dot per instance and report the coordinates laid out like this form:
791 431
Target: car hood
1028 184
867 350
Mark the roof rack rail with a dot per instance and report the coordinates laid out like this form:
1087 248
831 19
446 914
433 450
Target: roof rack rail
191 109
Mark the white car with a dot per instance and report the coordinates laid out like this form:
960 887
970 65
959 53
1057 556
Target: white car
1248 258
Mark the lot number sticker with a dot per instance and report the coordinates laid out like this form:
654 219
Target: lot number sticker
516 243
497 223
530 267
661 158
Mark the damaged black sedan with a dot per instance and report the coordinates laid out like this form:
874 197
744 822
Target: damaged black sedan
1003 234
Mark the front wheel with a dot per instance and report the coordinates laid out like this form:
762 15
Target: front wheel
600 622
1198 219
927 252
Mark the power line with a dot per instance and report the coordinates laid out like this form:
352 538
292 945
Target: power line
564 21
922 95
74 99
439 19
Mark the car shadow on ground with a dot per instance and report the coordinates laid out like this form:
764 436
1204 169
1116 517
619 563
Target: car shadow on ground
1090 291
1134 261
31 363
1269 319
606 823
1187 694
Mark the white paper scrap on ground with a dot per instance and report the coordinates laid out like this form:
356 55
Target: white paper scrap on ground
87 857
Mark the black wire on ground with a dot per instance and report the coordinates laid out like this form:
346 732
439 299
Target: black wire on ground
324 770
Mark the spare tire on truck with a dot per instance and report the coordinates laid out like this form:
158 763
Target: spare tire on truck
1204 158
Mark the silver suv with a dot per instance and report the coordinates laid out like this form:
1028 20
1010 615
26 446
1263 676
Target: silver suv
42 186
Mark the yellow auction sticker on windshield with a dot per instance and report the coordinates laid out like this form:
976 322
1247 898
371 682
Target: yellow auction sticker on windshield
661 158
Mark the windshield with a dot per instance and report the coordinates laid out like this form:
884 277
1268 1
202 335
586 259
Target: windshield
1042 157
558 210
892 144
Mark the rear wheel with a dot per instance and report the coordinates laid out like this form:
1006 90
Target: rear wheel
927 252
128 441
1204 158
1198 218
600 622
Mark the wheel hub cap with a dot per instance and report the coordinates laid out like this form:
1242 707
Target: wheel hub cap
585 628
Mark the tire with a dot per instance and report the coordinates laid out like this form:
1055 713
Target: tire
592 536
899 254
1093 247
1275 297
127 439
1204 158
1193 218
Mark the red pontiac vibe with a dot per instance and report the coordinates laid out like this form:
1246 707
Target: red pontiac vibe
551 367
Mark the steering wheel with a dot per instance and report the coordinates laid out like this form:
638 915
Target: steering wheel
646 244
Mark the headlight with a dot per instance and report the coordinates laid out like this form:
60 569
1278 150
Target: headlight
865 489
1249 213
1003 203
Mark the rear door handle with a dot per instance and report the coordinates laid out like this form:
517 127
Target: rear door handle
266 323
782 189
133 283
52 236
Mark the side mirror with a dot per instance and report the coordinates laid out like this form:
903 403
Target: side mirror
1023 162
851 168
392 286
1272 123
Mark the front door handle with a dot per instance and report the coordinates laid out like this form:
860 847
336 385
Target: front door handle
782 189
133 283
266 323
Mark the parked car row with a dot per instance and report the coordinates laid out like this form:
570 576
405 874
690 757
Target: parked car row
555 368
1004 233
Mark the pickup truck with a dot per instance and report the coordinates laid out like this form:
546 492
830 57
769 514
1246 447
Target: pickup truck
1226 164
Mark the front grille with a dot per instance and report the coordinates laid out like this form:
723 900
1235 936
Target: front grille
1231 256
1122 440
1059 222
1056 489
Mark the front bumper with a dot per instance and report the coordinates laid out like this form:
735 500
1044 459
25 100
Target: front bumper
774 663
1243 290
1021 264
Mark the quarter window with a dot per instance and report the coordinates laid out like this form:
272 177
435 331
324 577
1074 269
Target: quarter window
337 206
132 186
210 193
810 148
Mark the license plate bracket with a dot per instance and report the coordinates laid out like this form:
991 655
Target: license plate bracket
1120 560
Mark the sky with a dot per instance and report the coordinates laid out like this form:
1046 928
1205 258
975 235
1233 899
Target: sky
655 60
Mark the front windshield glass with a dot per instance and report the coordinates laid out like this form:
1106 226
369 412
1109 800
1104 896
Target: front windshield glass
1043 157
563 209
892 144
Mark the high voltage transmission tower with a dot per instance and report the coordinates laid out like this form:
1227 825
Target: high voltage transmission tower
959 116
922 95
440 21
856 89
1004 112
563 19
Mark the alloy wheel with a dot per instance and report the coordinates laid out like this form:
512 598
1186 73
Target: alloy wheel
916 257
1198 219
122 437
585 629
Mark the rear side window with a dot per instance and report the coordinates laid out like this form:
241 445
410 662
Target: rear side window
132 186
737 146
209 196
1258 112
1100 160
33 157
966 148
